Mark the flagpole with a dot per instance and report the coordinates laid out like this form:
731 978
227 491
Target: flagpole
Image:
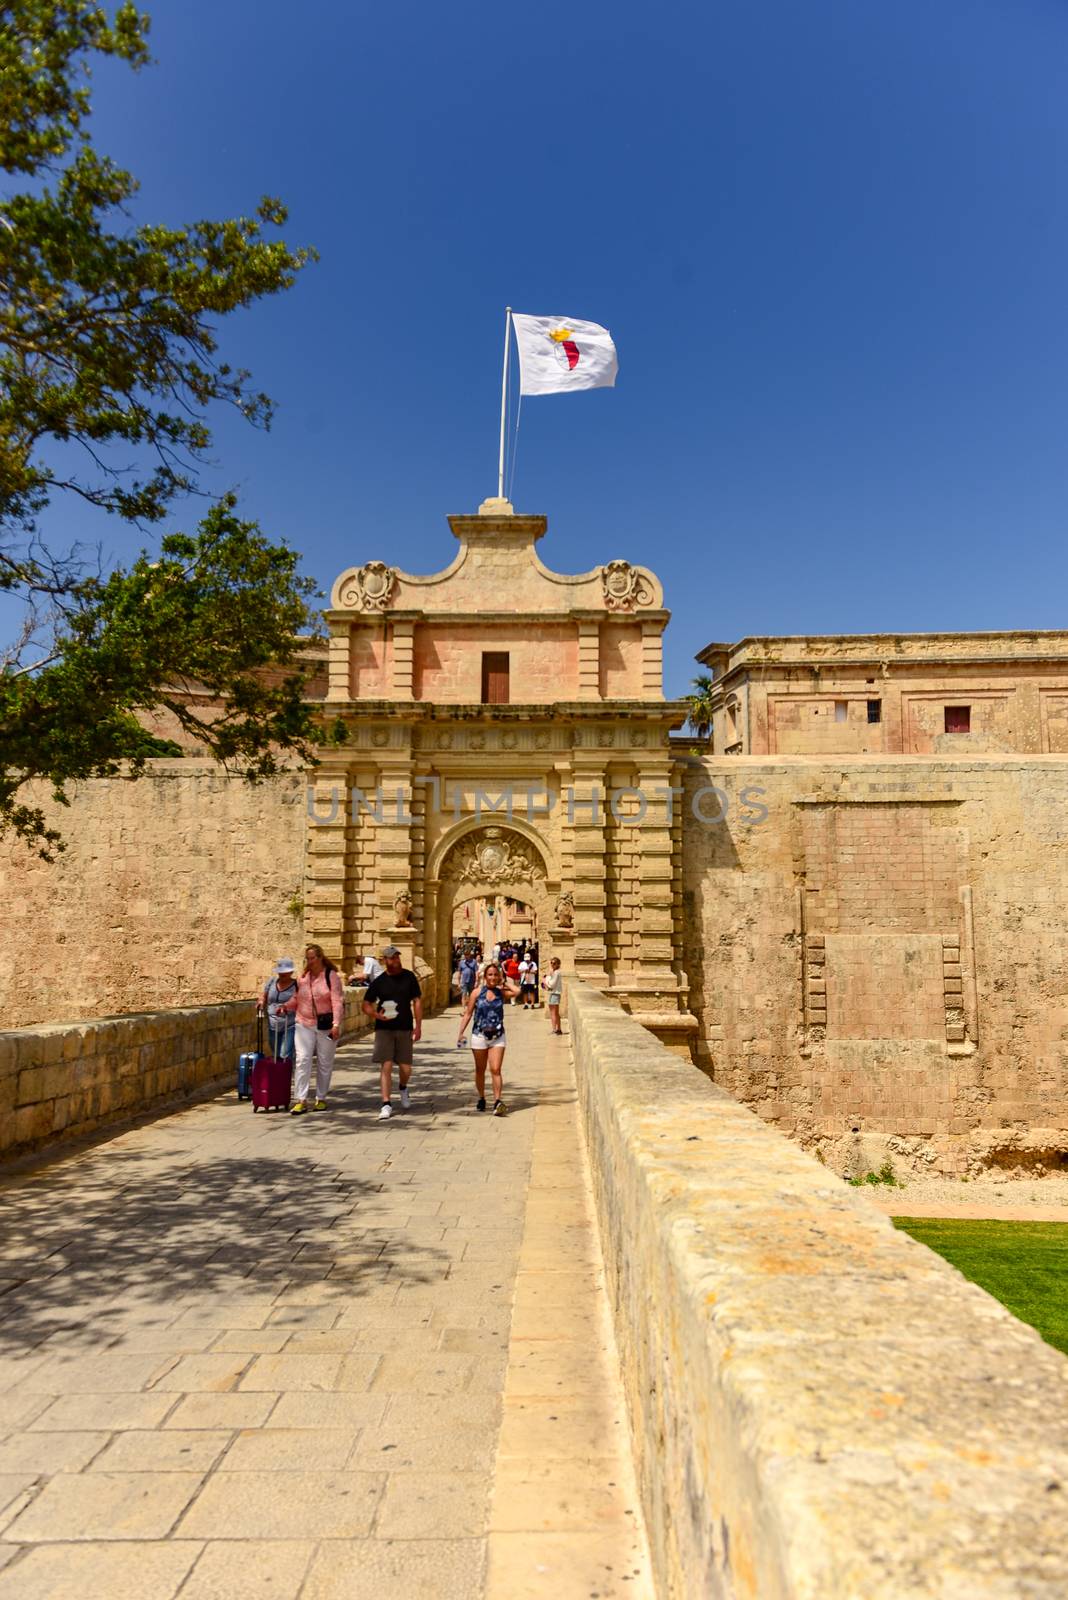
504 400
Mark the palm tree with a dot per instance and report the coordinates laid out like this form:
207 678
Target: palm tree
701 705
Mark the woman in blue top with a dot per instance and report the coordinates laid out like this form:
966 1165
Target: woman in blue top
485 1007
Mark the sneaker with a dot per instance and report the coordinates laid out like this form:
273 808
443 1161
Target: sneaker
481 1105
298 1108
320 1105
406 1100
499 1108
386 1112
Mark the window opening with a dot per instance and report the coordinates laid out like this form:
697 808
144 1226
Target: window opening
495 677
841 711
875 711
958 719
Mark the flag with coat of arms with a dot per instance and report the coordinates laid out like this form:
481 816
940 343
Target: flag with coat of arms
561 353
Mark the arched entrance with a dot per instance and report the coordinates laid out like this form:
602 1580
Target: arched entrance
490 864
488 920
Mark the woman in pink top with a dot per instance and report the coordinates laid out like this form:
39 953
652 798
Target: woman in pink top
319 1007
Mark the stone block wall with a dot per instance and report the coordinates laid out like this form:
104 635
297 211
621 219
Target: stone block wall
796 1370
67 1080
878 959
543 662
180 889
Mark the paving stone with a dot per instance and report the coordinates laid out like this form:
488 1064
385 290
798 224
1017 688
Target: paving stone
269 1570
386 1447
373 1569
291 1450
49 1452
251 1341
110 1372
103 1571
213 1374
442 1373
441 1505
317 1505
106 1505
292 1373
15 1491
166 1450
224 1411
18 1410
338 1409
111 1412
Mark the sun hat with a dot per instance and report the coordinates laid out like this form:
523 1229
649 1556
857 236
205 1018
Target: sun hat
285 965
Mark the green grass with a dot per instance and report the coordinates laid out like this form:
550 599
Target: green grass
1022 1264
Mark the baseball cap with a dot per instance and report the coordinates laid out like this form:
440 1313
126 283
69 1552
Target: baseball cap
390 950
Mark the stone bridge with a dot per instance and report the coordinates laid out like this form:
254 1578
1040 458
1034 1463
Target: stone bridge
628 1341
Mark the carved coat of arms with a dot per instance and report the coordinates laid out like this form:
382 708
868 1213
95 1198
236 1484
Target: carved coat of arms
493 857
368 588
625 586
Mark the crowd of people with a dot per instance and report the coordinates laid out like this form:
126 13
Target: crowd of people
305 1013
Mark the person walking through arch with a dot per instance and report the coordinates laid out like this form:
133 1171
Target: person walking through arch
395 1001
320 1010
485 1010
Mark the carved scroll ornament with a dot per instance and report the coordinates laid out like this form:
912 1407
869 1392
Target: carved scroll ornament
625 587
368 588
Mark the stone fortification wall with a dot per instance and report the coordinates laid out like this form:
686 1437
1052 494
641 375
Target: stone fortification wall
877 956
63 1081
180 889
797 1371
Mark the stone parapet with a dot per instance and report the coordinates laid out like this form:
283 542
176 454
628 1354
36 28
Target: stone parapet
820 1406
66 1080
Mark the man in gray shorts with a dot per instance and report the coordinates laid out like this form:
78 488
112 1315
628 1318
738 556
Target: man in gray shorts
394 1000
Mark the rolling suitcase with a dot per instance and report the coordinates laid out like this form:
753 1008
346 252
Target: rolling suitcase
271 1083
246 1063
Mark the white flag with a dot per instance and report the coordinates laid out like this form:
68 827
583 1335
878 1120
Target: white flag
558 353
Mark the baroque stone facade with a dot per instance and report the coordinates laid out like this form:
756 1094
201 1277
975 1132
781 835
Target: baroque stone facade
507 734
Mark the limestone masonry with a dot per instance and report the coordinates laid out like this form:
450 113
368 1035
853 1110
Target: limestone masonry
850 907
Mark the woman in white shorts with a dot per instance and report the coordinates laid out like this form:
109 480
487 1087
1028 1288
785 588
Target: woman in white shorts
485 1006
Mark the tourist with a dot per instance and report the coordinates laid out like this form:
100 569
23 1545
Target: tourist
320 1009
554 993
395 1002
371 970
511 972
528 982
485 1007
279 1001
468 976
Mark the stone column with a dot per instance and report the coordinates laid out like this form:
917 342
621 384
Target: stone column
338 661
589 658
324 897
587 830
394 840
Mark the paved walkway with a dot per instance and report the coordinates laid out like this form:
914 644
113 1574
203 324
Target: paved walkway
252 1355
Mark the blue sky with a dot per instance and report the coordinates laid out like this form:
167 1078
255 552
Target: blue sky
830 239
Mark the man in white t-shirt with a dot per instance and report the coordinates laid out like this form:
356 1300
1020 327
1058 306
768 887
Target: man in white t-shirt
528 983
371 970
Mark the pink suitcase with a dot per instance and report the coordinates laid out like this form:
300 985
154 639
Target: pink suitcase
271 1084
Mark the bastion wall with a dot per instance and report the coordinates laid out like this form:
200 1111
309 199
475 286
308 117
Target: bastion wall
875 947
878 964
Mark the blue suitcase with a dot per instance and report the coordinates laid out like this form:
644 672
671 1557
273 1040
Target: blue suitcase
247 1061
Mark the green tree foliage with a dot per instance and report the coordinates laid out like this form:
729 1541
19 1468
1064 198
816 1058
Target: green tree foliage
108 372
701 705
